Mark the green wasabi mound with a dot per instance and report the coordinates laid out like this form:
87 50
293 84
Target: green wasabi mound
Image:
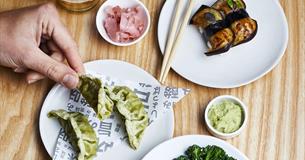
225 117
79 132
96 96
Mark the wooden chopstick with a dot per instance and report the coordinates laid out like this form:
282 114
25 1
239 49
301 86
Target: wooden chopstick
172 34
178 39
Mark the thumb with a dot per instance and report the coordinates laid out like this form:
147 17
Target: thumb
59 72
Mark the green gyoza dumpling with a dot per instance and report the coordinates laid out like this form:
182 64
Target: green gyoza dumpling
95 94
132 110
102 99
80 133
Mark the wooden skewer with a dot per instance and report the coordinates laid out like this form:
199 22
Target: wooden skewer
178 39
172 34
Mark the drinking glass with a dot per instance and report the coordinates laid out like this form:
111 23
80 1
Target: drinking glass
78 5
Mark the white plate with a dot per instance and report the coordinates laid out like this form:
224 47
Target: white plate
242 64
177 146
58 97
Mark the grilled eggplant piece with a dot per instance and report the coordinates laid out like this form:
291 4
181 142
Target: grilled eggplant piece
224 25
235 16
244 30
212 29
218 37
220 42
244 27
206 16
228 6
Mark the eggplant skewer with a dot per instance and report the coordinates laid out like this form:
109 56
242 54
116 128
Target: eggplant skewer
218 37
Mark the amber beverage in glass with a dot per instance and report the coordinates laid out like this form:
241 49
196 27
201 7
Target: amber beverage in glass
78 5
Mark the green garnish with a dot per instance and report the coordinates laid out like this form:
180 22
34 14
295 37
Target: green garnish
235 4
230 3
210 152
239 4
195 152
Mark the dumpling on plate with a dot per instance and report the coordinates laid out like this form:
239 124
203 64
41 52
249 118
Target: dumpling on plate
103 98
80 133
131 108
95 93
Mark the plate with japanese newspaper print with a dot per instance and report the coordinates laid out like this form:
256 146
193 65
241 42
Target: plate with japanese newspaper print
57 98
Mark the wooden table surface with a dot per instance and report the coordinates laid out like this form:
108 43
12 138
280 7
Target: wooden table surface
276 125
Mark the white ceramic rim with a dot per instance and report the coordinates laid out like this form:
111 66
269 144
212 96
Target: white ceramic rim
220 134
106 37
197 136
274 64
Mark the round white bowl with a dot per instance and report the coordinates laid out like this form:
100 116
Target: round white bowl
101 15
220 99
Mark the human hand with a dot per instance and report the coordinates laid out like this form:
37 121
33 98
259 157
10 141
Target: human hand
33 40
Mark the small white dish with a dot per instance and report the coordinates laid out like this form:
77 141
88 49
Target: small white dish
101 15
220 99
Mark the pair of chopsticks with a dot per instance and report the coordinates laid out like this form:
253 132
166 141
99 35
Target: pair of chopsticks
173 40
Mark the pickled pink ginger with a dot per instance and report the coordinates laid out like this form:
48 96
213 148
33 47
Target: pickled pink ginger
125 24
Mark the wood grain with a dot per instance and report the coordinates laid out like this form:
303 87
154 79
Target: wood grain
276 102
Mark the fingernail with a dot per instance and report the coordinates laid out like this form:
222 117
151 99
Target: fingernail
32 81
81 71
70 81
19 70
